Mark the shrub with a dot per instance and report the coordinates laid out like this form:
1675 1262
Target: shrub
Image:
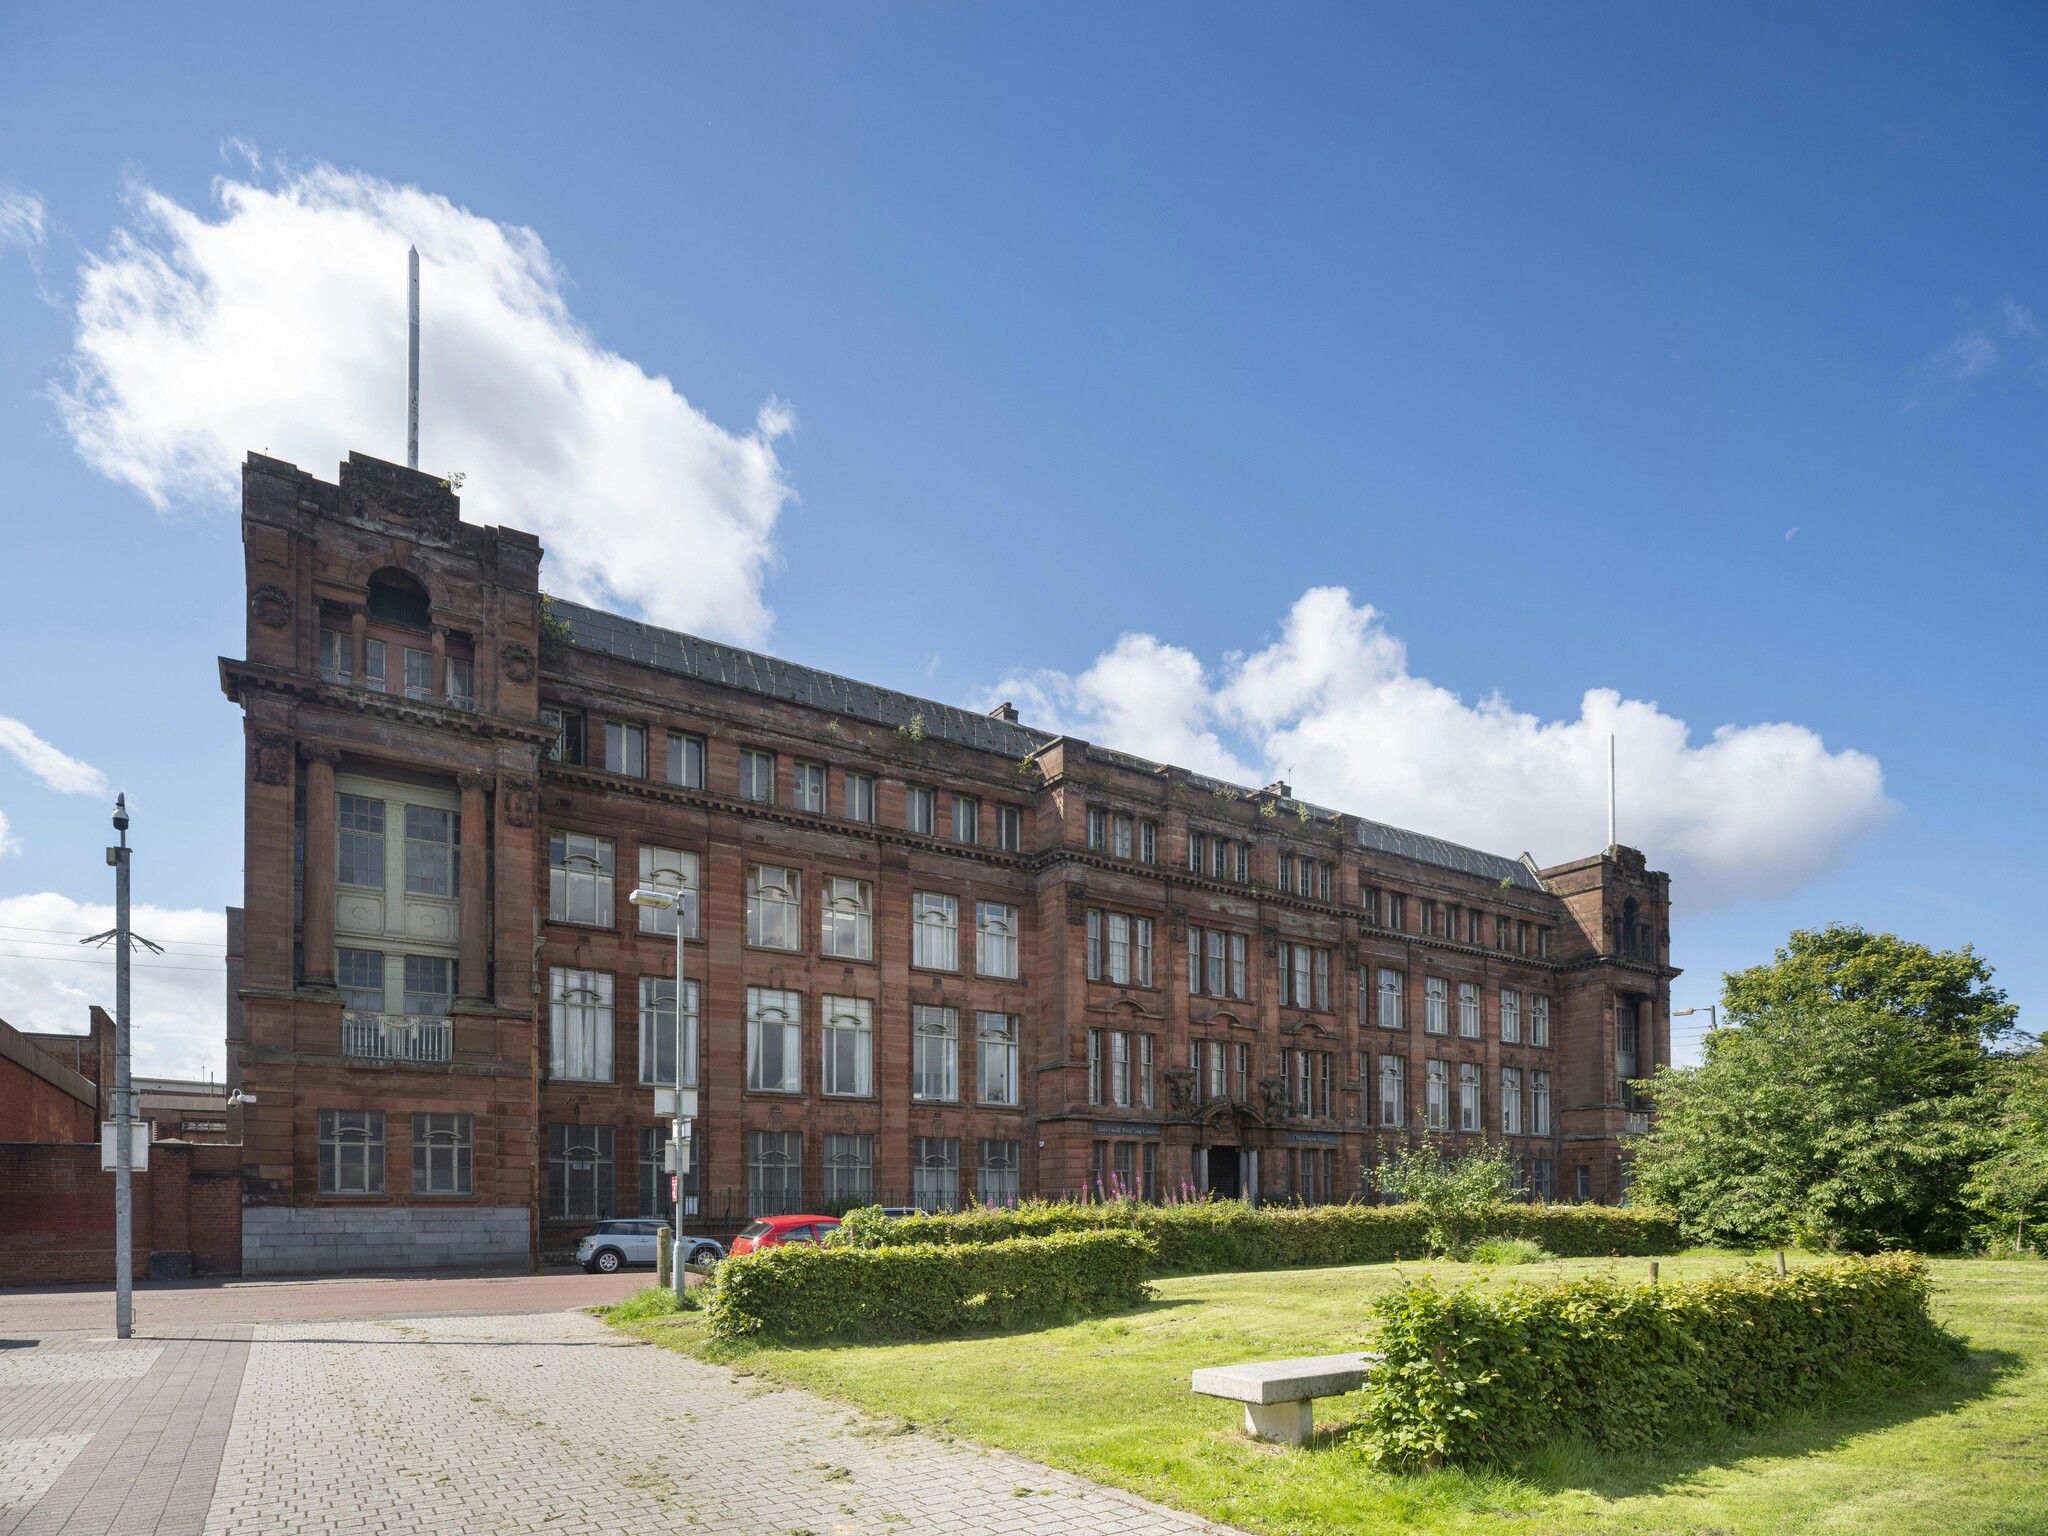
1482 1373
1457 1191
1202 1237
1510 1250
915 1290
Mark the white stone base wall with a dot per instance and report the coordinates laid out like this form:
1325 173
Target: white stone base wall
285 1240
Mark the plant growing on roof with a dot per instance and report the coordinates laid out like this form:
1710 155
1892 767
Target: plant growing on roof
1268 809
914 731
553 627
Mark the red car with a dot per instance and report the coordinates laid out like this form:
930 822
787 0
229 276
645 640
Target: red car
774 1231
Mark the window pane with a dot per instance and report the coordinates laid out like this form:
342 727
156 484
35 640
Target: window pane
359 973
935 1064
774 1040
669 869
360 827
774 906
859 797
849 1034
848 919
995 939
934 925
429 851
580 1018
997 1072
686 760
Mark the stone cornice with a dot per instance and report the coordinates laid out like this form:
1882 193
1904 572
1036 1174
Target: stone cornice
241 678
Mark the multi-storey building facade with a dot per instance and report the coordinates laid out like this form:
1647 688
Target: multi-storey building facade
929 956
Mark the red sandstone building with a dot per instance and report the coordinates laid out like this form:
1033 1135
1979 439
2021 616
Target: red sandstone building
931 956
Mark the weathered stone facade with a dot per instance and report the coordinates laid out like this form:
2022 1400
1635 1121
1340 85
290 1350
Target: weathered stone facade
504 753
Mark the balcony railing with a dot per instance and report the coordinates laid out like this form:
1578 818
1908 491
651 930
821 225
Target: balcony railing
396 1037
1635 1123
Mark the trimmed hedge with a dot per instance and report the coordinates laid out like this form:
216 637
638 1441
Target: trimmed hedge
801 1292
1481 1374
1214 1235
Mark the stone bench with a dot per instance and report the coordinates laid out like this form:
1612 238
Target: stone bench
1277 1393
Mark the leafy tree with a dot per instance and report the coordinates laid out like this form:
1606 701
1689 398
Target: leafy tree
2010 1185
1842 1105
1456 1192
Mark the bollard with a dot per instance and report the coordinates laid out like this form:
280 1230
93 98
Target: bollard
1653 1271
662 1247
1781 1263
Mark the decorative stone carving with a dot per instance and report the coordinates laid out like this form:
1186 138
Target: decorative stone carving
313 752
1180 1089
403 500
516 802
480 781
1272 937
270 757
1077 905
1178 924
517 661
1273 1091
271 606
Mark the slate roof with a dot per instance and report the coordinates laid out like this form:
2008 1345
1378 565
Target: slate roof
593 629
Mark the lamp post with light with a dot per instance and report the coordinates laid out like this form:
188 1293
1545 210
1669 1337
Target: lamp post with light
685 1107
1713 1016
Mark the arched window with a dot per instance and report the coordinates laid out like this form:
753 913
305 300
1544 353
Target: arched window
399 597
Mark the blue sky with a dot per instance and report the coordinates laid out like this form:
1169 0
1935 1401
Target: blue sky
1095 341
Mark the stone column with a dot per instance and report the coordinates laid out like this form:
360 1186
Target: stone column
472 966
317 936
358 622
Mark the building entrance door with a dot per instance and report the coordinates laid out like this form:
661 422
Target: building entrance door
1223 1173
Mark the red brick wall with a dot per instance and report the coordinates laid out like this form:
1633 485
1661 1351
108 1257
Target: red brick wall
57 1211
34 1109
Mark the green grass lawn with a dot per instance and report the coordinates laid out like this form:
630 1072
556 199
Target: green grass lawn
1109 1399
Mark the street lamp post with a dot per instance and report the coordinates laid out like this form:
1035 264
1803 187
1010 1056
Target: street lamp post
1713 1015
679 1129
124 1110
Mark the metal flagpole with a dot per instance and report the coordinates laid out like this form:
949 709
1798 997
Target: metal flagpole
412 359
124 1136
1611 838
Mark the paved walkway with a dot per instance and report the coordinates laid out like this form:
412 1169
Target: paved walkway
170 1304
538 1422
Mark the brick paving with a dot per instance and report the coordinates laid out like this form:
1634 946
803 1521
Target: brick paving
541 1422
100 1437
160 1305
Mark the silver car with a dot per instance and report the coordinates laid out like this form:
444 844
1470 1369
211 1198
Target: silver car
616 1244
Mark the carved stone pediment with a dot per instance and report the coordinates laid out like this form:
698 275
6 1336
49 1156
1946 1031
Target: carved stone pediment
1124 1003
1307 1024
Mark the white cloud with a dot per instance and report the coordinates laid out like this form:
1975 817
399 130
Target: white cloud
9 843
1751 811
178 1000
278 323
1968 355
57 770
22 218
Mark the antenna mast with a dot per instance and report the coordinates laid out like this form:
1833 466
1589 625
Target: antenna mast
412 359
